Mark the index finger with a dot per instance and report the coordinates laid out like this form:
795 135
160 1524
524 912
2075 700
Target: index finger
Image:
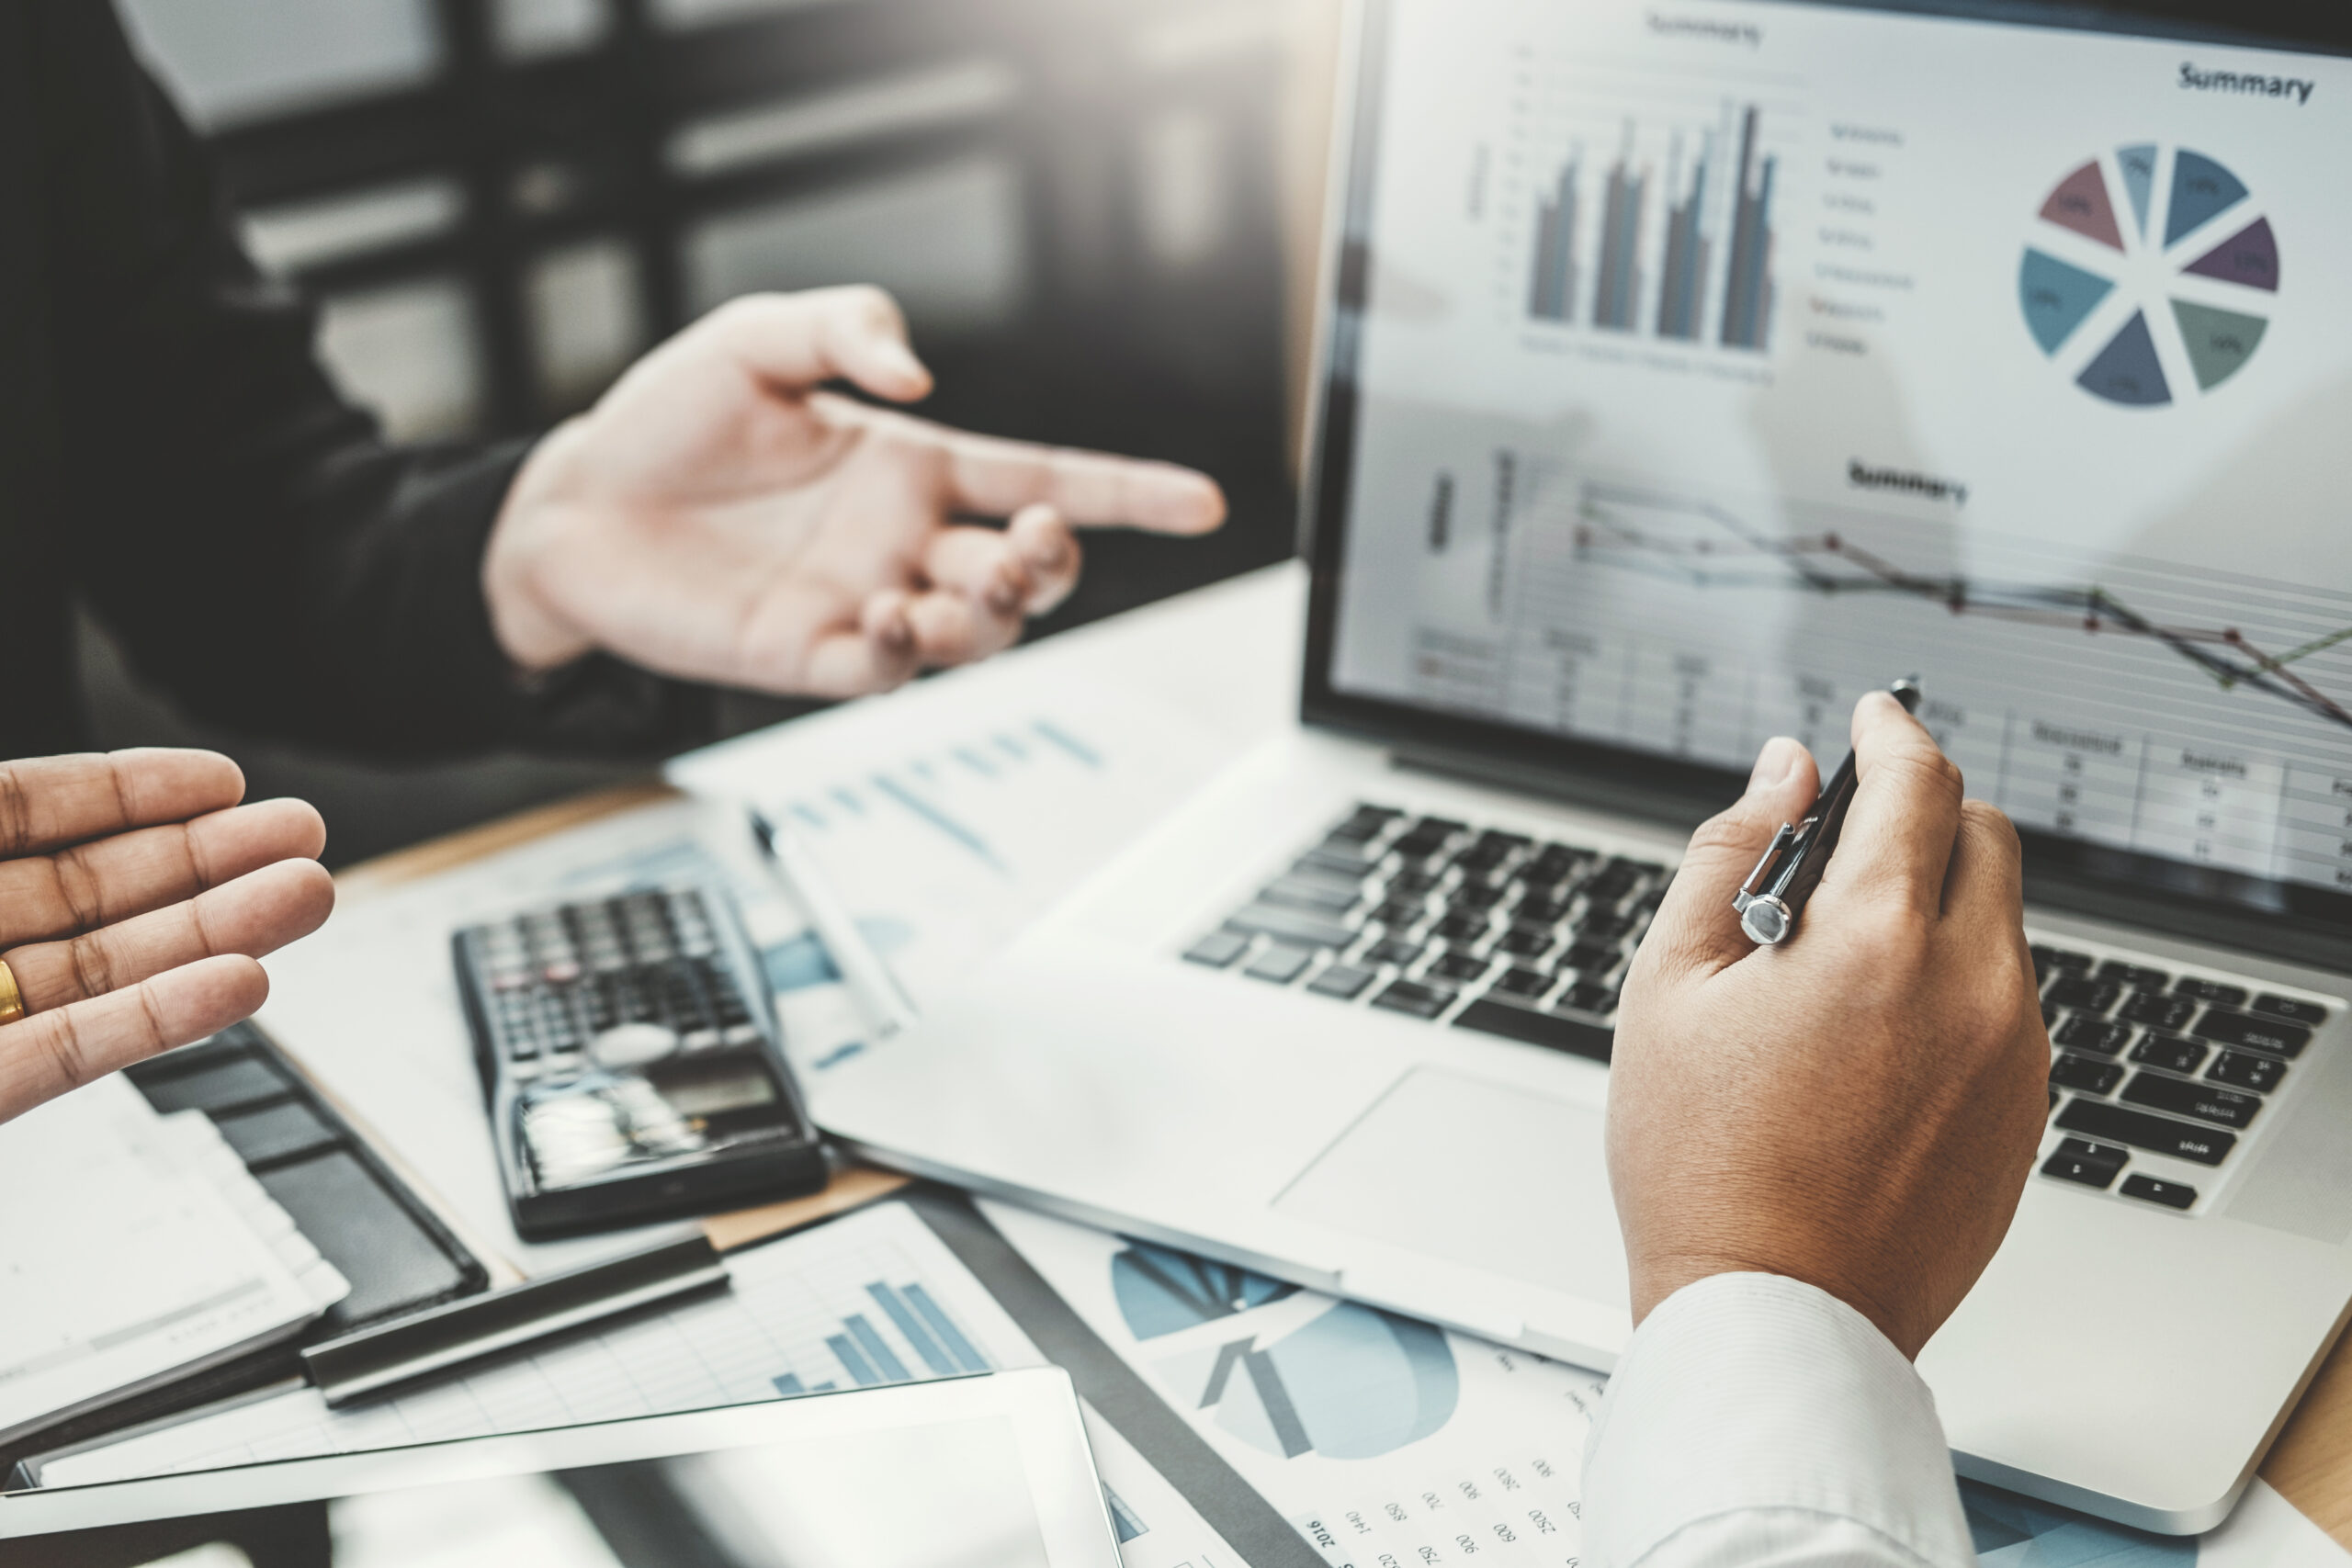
996 478
1897 842
47 803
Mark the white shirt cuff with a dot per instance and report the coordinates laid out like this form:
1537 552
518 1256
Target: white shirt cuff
1751 1394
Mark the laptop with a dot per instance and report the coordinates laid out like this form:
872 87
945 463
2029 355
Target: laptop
1687 368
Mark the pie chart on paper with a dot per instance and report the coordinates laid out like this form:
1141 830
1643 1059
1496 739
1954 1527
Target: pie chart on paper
2151 276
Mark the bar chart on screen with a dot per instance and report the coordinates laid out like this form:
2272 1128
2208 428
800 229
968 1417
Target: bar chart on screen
1654 216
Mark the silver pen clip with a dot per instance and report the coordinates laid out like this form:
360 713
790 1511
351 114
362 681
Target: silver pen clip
1763 911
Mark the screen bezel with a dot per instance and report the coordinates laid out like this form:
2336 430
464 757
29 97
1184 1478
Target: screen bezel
1039 1402
2287 918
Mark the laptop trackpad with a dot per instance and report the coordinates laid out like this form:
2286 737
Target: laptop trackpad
1479 1174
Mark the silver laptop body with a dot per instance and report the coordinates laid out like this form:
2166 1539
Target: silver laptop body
1687 371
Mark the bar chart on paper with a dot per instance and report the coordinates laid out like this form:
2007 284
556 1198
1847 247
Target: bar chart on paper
951 816
1646 220
871 1298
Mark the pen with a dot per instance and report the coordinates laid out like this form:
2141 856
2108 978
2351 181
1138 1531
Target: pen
869 979
1774 895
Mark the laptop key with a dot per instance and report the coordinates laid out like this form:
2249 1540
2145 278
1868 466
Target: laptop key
2173 1055
2156 1010
2084 1074
2159 1134
2290 1009
1592 958
1217 949
2083 1032
1393 950
1345 981
1605 928
2090 1173
1411 884
1586 997
2097 1154
1524 982
1325 860
2171 1194
2239 1070
2082 994
1476 897
1399 913
1410 995
2134 975
1365 822
1281 963
1533 1028
2259 1034
1543 911
1302 926
1526 941
2050 961
2211 991
1302 893
1458 966
2225 1107
1460 928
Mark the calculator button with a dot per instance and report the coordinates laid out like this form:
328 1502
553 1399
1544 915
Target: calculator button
633 1045
742 1034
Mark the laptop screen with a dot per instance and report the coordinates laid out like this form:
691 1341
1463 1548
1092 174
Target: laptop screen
1698 364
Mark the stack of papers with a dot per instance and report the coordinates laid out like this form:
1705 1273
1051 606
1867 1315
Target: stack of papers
139 1251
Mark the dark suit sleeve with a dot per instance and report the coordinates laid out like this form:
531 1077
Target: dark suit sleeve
258 548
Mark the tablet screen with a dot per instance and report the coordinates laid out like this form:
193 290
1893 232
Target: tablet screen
984 1472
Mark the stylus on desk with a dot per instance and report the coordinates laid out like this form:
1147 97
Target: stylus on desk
869 978
1774 895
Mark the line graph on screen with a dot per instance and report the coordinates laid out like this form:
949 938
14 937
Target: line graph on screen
1702 544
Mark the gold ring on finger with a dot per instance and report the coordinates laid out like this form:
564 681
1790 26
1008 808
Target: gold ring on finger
12 1000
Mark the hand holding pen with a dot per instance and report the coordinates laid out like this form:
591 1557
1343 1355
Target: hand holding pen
1815 1109
1774 895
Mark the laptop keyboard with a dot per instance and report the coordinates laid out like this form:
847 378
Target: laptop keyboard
1436 918
2157 1078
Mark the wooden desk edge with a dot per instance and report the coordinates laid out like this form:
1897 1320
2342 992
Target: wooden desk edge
2310 1464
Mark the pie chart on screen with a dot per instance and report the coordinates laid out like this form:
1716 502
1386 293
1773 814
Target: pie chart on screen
2151 276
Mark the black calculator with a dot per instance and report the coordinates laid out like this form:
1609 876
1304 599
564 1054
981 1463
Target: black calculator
632 1063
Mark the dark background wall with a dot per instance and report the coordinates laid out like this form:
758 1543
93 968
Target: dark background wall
1085 207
